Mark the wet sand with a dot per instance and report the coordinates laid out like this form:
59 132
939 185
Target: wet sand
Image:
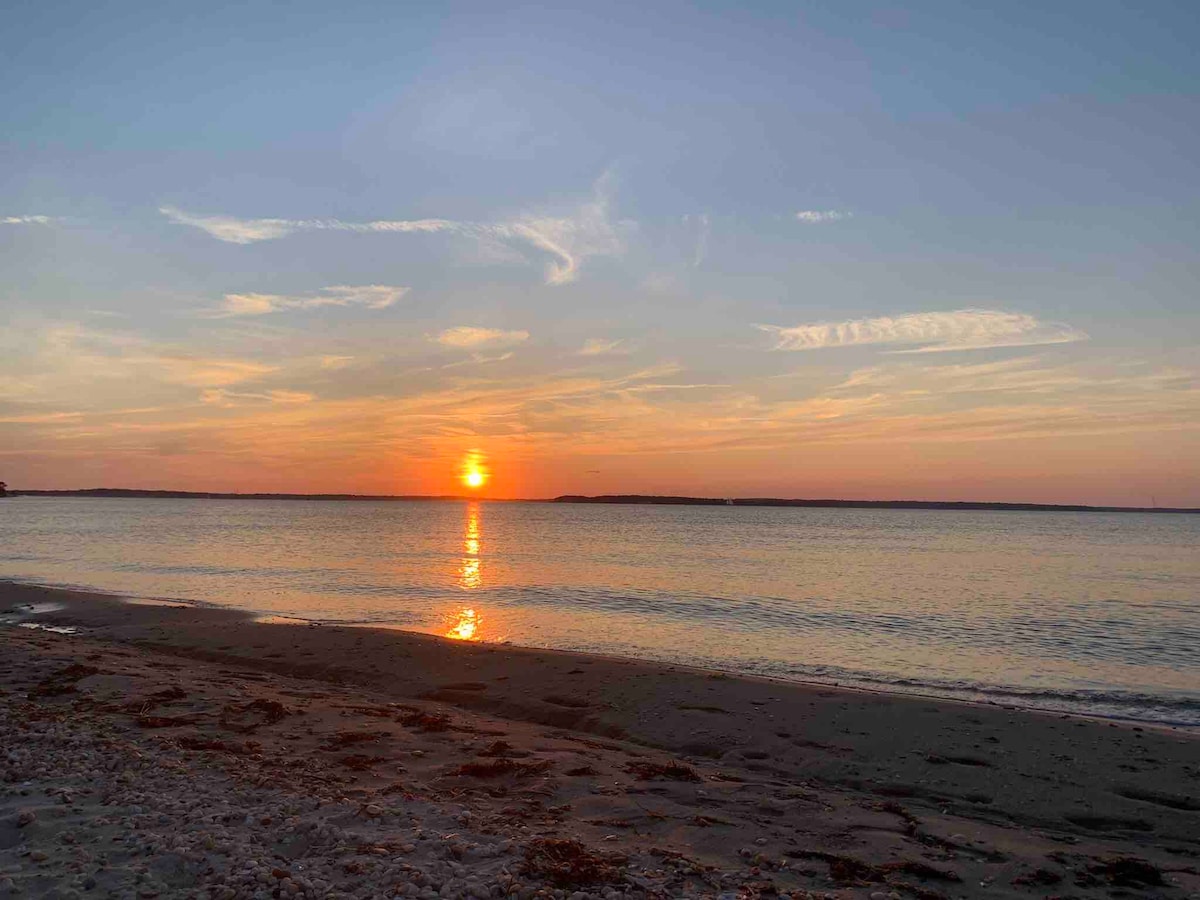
400 764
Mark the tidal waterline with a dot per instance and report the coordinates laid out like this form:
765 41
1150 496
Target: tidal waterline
1084 612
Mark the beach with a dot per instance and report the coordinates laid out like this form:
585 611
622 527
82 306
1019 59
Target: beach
172 750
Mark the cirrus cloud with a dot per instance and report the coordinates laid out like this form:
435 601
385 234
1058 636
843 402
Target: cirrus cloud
602 347
563 243
471 337
817 216
370 296
234 230
962 329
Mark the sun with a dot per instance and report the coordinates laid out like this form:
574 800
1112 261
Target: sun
473 470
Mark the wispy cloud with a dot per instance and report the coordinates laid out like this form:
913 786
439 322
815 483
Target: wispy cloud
336 362
472 338
233 230
229 399
371 296
601 347
567 240
200 371
25 220
963 329
478 359
817 216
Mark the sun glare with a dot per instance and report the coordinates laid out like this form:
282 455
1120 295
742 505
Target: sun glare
473 471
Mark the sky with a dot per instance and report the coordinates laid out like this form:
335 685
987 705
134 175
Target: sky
940 251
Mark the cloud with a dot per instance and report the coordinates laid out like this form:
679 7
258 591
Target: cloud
336 362
477 359
963 329
25 220
40 418
601 347
471 337
229 399
201 371
370 296
568 240
249 231
817 216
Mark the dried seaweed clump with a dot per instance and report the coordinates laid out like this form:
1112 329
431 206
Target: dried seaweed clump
848 870
63 681
568 864
247 717
499 767
425 721
360 762
218 746
348 738
1128 871
673 771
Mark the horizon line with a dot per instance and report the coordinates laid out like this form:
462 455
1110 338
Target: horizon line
610 499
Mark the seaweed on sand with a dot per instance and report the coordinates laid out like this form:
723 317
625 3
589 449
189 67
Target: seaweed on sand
247 717
423 721
360 762
500 767
349 738
63 681
568 864
673 771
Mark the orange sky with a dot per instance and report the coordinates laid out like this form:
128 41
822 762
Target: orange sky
812 254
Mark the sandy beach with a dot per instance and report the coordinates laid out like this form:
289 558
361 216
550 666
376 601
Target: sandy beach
175 751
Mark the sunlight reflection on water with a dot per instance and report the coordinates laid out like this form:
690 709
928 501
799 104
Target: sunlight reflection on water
1066 610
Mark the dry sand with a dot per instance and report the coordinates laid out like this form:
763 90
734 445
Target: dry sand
179 751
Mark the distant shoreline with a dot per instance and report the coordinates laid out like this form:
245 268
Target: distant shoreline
626 499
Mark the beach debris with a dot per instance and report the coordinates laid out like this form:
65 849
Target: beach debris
1125 871
500 767
652 771
939 760
911 823
169 694
359 762
497 748
63 681
1042 877
848 870
193 742
568 864
247 717
423 721
150 721
378 712
349 738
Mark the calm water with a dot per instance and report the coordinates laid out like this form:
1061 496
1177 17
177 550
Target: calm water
1079 611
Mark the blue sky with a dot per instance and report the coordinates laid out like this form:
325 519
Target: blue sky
623 247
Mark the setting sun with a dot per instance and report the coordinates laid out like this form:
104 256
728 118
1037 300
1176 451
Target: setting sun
473 471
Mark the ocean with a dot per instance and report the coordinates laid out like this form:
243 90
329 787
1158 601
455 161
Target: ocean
1084 612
